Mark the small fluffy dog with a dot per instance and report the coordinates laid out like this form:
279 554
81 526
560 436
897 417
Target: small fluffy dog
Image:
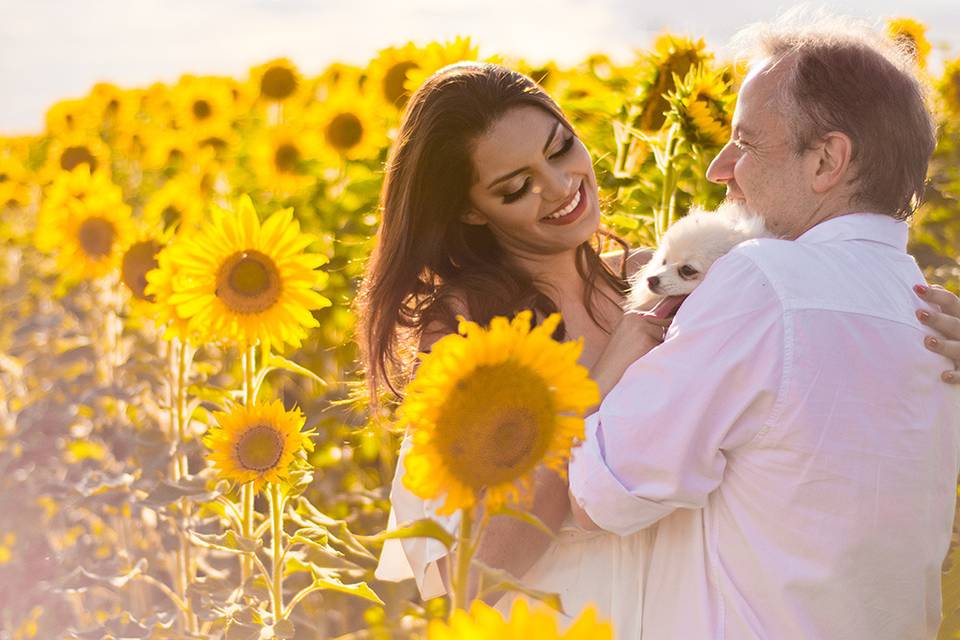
688 249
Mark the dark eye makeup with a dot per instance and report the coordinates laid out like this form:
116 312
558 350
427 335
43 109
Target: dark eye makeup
519 193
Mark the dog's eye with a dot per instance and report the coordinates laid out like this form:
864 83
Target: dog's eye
687 272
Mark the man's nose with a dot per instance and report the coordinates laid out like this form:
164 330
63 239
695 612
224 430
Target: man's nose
721 169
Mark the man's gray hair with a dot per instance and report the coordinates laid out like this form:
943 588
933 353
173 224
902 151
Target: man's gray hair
840 74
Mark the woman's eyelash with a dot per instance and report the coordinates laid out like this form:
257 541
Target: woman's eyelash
519 193
567 144
516 195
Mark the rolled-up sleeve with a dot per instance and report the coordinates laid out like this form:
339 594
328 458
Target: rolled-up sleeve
661 437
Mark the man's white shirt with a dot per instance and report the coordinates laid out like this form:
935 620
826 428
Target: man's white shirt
794 442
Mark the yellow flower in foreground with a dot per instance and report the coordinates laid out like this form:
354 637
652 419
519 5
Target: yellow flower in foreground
257 443
701 106
244 281
490 405
486 623
159 289
912 37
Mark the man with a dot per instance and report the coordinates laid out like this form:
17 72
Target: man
791 436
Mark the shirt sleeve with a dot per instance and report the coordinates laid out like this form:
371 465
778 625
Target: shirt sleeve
414 557
661 437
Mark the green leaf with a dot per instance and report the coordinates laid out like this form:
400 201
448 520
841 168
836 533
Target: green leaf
229 541
79 580
424 528
331 582
166 493
279 362
500 580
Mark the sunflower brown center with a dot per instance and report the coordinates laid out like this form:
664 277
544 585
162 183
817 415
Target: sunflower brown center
393 80
286 158
344 131
490 431
248 282
202 109
259 448
96 237
75 156
137 261
278 83
3 177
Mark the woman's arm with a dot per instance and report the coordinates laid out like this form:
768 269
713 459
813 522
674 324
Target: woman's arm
946 323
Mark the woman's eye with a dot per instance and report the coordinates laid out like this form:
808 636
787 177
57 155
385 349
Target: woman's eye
686 271
567 144
516 195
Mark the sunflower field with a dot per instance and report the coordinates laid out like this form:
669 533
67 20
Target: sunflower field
185 446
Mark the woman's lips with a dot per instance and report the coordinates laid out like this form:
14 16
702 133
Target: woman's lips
574 214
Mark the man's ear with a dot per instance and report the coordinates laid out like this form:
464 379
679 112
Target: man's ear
834 154
472 216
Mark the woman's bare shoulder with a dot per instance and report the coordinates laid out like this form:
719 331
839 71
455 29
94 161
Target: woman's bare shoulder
635 260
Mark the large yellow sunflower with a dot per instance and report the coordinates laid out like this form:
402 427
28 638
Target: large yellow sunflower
701 106
911 36
486 623
87 233
488 406
243 282
257 443
202 104
671 57
279 158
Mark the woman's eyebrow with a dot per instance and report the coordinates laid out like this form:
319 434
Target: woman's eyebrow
550 138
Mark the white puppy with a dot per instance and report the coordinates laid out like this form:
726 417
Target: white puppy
687 250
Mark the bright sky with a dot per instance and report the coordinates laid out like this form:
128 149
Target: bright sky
53 49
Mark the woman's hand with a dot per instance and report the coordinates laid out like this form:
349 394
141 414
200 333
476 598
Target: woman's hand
946 323
634 336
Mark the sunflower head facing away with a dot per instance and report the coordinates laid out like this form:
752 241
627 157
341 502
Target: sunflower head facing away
487 406
911 37
257 443
243 281
486 623
670 58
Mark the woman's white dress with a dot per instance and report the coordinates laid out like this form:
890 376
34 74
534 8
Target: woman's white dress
583 567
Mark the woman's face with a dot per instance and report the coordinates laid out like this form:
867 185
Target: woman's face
535 185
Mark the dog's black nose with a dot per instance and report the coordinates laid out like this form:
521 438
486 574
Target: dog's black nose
652 282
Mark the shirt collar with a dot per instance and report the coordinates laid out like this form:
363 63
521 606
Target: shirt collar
875 227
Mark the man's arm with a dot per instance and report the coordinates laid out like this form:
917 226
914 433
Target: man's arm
659 439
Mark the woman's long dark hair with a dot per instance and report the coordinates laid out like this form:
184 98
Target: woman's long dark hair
428 264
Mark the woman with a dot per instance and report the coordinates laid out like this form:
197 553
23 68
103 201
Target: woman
489 207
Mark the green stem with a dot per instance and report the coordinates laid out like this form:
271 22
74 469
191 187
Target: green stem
276 532
185 564
666 212
246 491
463 557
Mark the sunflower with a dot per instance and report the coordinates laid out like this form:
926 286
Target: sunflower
279 158
276 81
71 117
74 185
701 107
160 288
488 406
438 55
671 57
70 151
86 233
242 281
336 77
176 206
349 125
387 73
257 443
911 37
486 623
202 104
136 261
15 188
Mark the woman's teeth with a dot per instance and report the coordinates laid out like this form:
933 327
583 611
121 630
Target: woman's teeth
567 209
